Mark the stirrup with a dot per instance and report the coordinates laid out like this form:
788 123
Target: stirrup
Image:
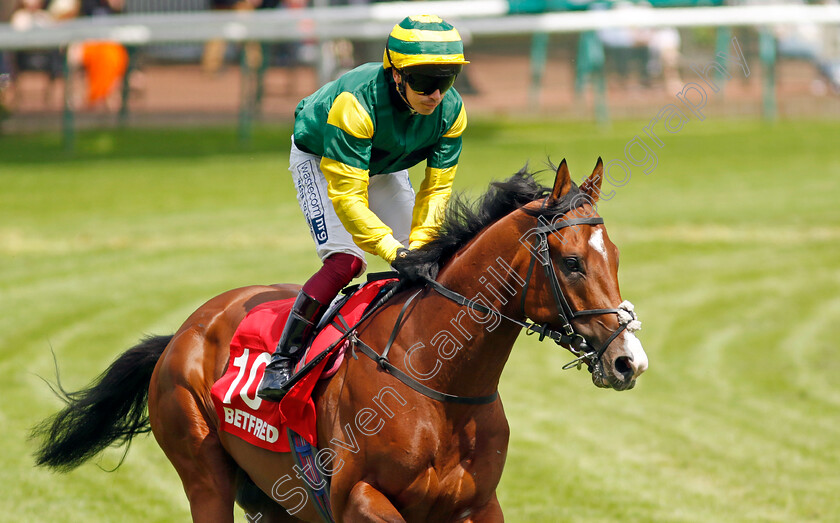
276 381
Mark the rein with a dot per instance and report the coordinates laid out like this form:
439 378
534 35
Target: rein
349 333
566 336
386 365
558 337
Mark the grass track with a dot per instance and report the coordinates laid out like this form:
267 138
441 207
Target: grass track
729 248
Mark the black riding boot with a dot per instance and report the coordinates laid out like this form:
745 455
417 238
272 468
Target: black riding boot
296 335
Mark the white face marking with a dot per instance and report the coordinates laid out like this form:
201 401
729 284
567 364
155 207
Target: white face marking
634 347
596 241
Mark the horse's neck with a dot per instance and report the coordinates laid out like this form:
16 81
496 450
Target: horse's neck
491 269
472 347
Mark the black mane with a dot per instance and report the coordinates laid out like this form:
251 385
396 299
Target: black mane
464 219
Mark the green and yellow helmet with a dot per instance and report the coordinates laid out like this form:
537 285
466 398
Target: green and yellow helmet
424 40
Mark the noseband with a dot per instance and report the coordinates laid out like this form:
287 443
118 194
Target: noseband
568 336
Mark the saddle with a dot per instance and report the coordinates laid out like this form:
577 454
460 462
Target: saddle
263 423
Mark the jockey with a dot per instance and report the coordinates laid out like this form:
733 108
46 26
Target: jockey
354 140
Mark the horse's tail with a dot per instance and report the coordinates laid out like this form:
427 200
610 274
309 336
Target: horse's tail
111 410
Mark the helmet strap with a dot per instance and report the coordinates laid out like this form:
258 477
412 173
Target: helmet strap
401 84
401 91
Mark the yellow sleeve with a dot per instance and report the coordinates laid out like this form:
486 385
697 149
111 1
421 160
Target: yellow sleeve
347 188
436 188
430 203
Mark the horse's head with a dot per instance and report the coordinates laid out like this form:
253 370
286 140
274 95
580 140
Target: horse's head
572 285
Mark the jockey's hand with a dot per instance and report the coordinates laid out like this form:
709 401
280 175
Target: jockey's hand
413 270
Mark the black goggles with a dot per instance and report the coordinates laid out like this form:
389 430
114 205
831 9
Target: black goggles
426 79
426 85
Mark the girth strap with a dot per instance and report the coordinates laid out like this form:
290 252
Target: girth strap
317 486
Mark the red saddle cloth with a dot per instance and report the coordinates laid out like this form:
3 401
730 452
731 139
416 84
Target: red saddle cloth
264 423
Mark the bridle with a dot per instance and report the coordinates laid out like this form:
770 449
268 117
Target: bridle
567 335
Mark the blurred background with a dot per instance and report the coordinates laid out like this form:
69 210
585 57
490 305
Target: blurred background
181 62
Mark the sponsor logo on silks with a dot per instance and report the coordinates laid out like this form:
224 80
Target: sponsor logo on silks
311 196
319 229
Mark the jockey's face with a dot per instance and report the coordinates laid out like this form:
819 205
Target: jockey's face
424 104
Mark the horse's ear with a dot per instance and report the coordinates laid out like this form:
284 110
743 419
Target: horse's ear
592 185
563 182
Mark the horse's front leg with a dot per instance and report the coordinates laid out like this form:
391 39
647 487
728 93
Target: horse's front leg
365 503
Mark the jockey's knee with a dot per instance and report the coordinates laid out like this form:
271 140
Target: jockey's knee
338 270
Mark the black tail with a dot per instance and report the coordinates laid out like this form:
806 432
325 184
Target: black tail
112 410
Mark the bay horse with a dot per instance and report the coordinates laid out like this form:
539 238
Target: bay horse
524 256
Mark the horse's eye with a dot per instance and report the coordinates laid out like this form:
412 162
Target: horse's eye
573 264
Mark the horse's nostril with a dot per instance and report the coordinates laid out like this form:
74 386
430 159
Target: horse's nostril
623 366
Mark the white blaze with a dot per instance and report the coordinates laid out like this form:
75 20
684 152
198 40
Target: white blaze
596 241
634 347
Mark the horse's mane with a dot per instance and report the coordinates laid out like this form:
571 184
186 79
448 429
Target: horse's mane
464 219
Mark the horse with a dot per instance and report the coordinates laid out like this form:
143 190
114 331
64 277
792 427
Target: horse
429 446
